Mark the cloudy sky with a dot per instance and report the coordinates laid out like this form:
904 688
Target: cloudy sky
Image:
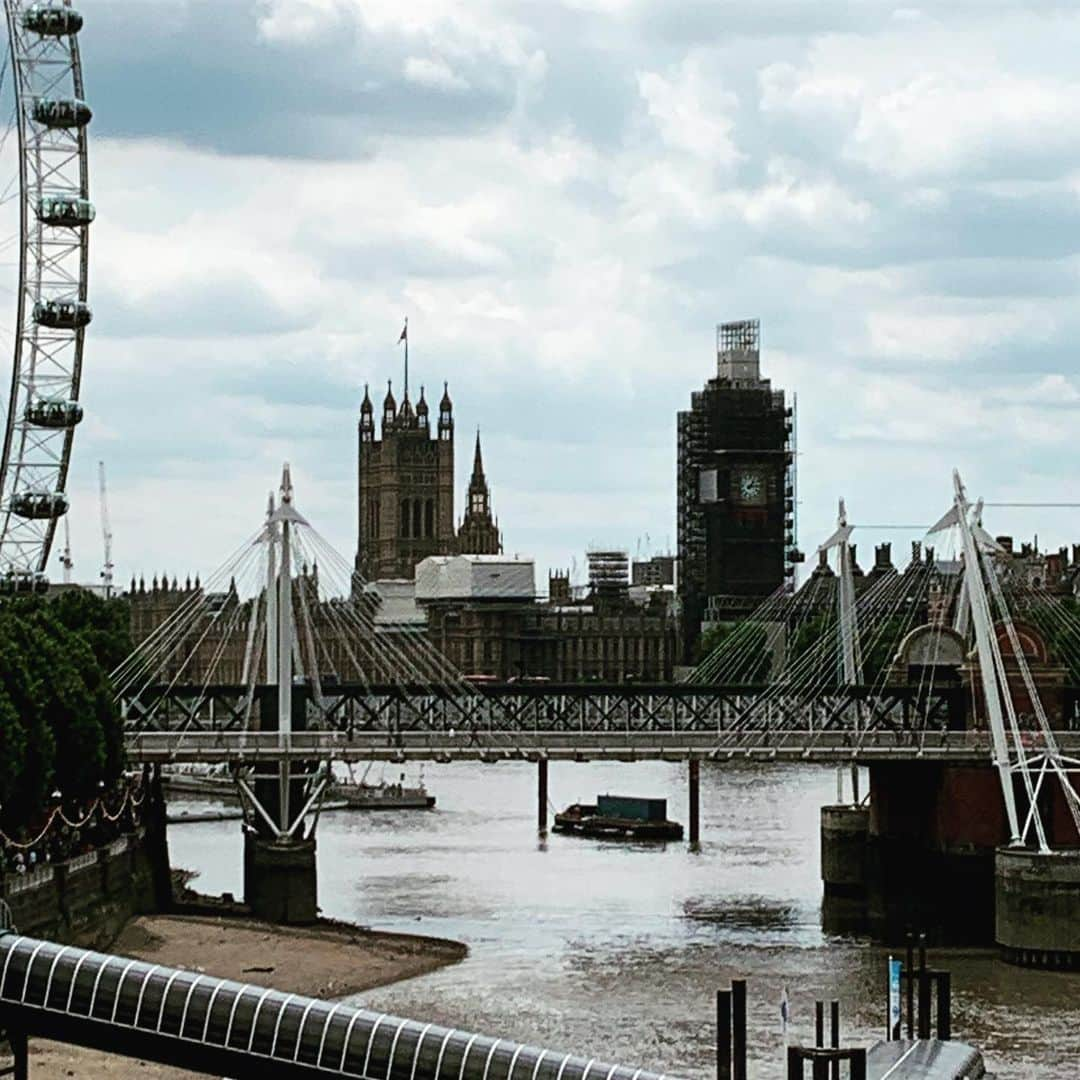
565 198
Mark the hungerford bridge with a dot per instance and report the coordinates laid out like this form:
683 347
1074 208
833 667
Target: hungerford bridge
925 676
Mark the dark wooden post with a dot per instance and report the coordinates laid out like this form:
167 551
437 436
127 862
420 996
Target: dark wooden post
910 986
834 1037
738 1026
723 1035
542 795
858 1064
924 1004
819 1070
695 801
944 1006
794 1064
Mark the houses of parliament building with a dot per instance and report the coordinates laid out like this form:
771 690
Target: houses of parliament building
405 490
406 515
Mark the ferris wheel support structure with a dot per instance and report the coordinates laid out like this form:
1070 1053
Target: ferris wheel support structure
50 118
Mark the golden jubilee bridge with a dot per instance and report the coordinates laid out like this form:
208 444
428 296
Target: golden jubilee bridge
937 680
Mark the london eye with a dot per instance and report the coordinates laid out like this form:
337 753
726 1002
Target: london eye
45 216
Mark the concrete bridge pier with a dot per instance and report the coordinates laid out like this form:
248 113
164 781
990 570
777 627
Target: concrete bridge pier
845 840
280 879
919 857
1037 918
932 837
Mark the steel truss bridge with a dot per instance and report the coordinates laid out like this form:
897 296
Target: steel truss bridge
580 721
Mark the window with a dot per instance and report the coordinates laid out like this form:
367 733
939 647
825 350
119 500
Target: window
417 523
429 518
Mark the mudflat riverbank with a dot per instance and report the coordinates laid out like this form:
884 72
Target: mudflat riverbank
328 960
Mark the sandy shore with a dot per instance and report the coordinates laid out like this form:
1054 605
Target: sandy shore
325 962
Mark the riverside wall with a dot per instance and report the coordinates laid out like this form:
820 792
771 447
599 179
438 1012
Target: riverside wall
85 900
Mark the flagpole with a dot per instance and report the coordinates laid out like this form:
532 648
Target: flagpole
406 356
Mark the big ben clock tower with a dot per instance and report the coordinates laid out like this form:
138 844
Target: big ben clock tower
736 488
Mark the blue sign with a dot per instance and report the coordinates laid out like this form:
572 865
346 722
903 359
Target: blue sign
895 967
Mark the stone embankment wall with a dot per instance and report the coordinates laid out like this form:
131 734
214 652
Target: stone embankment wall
86 900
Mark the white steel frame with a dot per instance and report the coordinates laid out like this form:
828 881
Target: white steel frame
53 265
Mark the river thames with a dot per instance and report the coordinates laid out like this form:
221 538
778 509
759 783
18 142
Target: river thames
616 950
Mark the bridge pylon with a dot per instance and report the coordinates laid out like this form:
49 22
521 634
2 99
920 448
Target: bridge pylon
280 878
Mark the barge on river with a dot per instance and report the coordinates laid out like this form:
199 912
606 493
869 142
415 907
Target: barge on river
619 817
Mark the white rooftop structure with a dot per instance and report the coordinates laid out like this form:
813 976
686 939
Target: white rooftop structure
475 577
397 605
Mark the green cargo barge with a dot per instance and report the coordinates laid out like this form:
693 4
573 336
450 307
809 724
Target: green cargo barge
619 817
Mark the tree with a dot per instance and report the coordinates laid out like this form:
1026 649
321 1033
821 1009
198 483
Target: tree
59 724
104 625
737 652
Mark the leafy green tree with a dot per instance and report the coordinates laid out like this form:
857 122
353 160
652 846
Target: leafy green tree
23 676
104 625
738 652
59 725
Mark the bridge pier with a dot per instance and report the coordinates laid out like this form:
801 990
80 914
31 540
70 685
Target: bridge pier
1038 907
280 884
845 840
694 787
933 833
921 856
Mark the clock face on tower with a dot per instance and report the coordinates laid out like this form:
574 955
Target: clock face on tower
751 487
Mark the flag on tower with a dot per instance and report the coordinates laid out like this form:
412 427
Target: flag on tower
404 333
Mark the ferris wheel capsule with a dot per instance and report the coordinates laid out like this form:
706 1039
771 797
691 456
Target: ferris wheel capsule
56 415
39 505
62 112
52 19
64 210
63 314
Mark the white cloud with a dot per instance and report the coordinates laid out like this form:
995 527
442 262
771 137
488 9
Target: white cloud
888 202
692 111
435 74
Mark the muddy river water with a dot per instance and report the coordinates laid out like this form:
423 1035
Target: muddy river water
615 950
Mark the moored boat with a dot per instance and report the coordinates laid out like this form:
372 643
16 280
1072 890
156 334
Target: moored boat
382 796
350 795
619 817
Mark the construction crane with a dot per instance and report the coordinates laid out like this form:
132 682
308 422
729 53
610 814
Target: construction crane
106 534
65 556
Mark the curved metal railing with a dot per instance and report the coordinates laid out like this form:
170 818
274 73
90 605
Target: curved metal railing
213 1025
